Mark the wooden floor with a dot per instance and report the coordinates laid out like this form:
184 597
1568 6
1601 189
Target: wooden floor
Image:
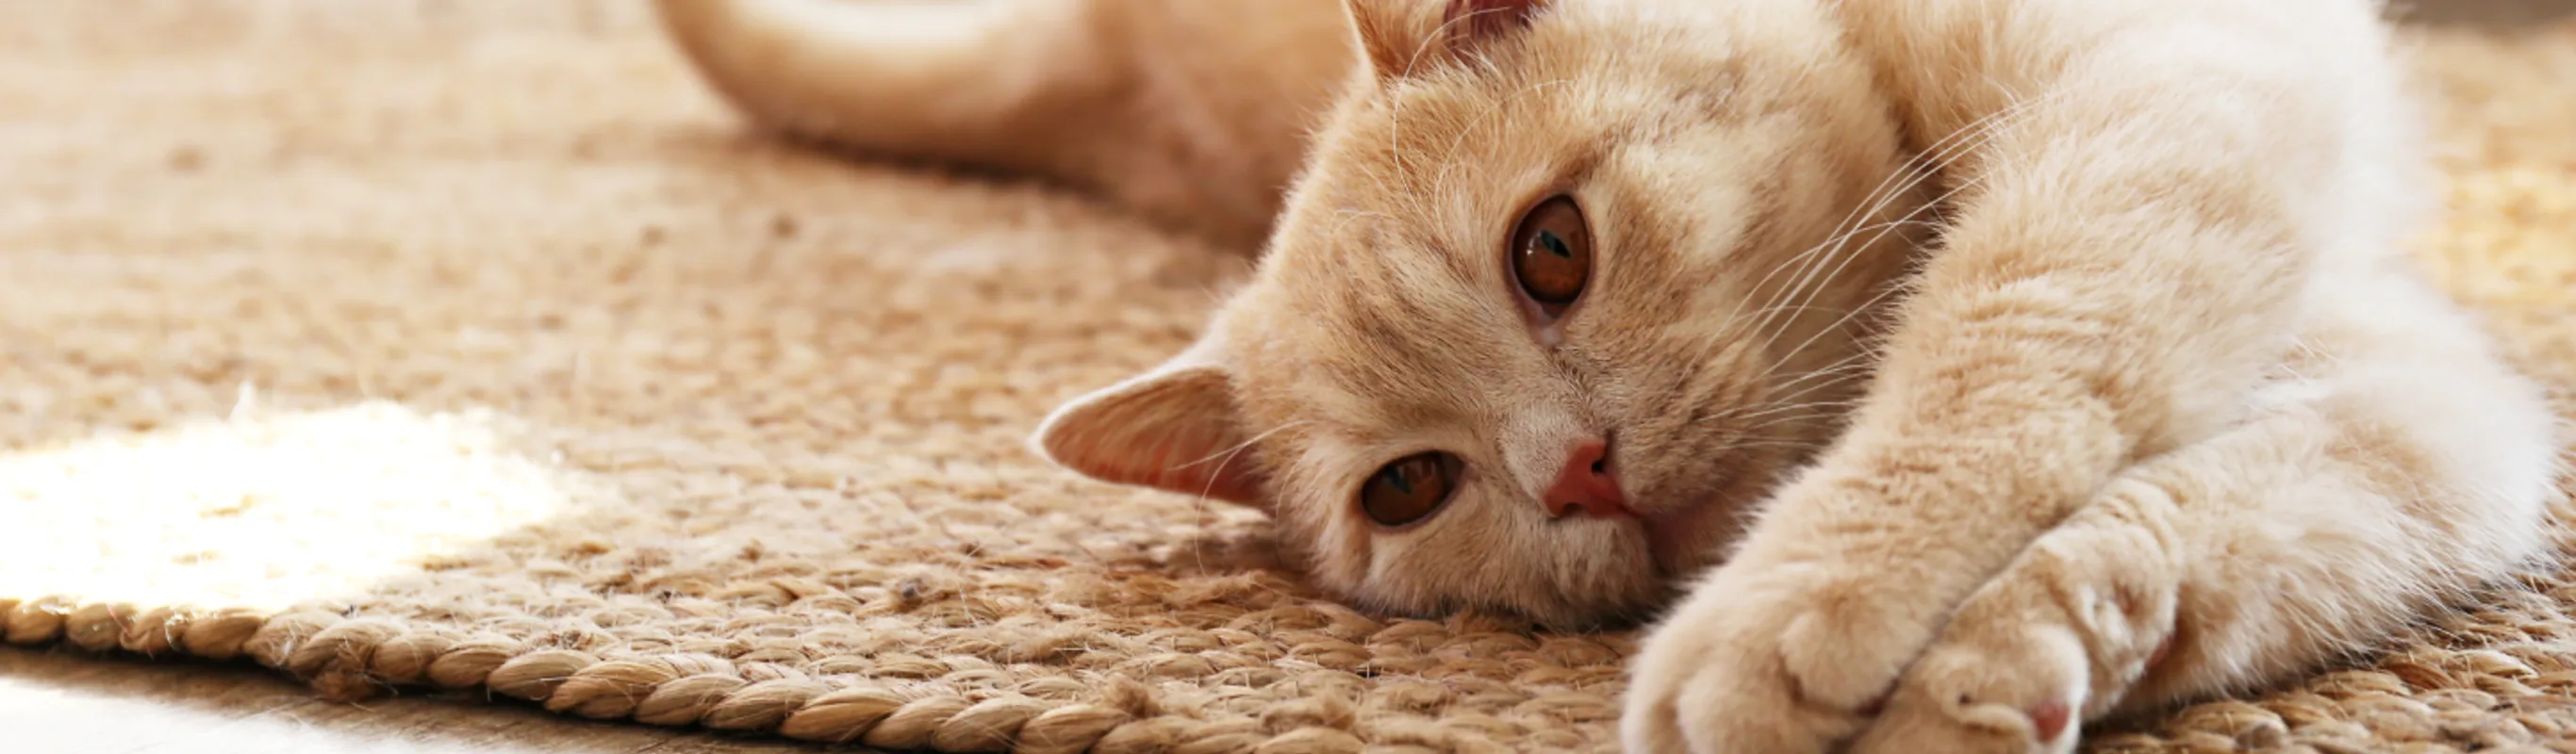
67 702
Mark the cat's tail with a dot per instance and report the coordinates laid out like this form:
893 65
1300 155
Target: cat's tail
975 83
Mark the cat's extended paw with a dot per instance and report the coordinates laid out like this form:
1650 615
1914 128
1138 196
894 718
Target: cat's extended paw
2017 688
2053 641
1778 658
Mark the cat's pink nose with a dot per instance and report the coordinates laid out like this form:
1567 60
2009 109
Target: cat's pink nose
1586 485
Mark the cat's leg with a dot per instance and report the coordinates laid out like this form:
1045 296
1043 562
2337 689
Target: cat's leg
980 83
2372 482
2163 182
1180 109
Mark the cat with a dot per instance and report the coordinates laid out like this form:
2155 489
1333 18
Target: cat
1924 375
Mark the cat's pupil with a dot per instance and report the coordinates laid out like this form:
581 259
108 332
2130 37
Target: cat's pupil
1551 255
1395 476
1410 489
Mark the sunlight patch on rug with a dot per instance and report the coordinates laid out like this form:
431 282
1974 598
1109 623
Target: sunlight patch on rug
263 510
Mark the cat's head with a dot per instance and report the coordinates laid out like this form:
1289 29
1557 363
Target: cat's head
1560 292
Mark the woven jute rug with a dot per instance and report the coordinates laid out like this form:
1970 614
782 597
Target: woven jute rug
399 345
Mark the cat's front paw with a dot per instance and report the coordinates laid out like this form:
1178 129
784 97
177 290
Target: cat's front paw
2057 639
2013 691
1772 658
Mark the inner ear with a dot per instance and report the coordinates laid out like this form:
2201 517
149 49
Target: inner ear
1173 429
1402 36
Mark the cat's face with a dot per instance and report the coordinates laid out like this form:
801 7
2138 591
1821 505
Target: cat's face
1557 298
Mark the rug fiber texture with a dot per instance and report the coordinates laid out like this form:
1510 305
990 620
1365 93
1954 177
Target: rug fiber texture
399 344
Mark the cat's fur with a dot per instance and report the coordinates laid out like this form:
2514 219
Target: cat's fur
1978 365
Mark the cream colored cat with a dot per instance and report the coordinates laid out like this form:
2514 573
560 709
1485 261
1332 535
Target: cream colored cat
1978 366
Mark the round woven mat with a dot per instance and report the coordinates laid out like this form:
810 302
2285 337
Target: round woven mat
400 344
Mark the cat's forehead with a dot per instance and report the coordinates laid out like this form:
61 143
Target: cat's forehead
1423 151
1404 340
1555 98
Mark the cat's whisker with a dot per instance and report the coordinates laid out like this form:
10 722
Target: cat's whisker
1849 367
1804 259
1778 442
1774 415
1937 156
1915 171
1784 406
1767 315
1395 116
1785 307
1226 457
1823 379
1229 452
1937 159
1344 217
1924 167
1930 165
1761 432
1874 300
1865 306
1838 381
1798 419
1449 159
1789 420
1793 446
1811 261
1855 359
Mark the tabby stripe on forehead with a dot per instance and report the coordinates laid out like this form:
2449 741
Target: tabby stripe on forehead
1410 355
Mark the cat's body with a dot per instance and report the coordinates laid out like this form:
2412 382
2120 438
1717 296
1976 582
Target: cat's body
1174 108
1980 365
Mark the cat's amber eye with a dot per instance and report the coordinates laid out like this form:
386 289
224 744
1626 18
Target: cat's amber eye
1410 489
1552 254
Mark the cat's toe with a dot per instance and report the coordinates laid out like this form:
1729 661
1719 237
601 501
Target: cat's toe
1723 706
1699 686
2048 720
1769 667
2012 693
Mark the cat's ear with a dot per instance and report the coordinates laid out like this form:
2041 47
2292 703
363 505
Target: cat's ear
1173 428
1403 36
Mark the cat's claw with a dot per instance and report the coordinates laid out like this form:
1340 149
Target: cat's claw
1767 661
